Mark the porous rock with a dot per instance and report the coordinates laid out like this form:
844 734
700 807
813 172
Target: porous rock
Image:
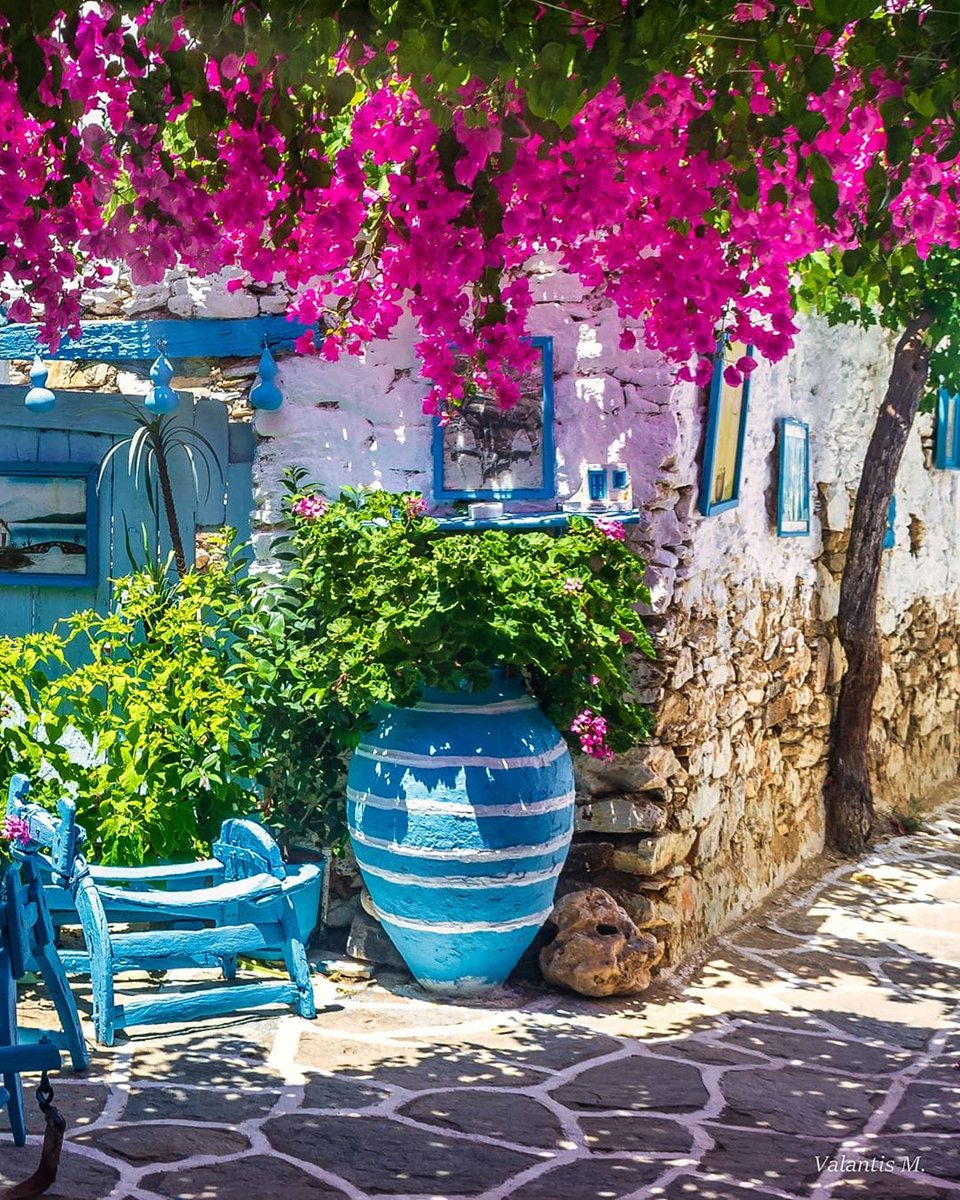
598 950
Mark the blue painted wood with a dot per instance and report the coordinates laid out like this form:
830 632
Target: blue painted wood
139 341
530 522
461 813
793 478
890 533
197 1006
255 903
211 421
242 443
27 946
709 507
547 489
80 432
948 431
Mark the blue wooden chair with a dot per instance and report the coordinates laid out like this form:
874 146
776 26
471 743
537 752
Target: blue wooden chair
243 901
27 946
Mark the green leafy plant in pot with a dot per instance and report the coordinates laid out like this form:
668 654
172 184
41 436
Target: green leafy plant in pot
446 663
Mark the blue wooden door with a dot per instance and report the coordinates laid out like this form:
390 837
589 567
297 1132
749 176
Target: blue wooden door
79 431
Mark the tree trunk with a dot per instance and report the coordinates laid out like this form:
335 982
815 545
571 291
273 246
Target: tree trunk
847 792
166 491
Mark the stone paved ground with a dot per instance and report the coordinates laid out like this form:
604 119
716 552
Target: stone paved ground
812 1053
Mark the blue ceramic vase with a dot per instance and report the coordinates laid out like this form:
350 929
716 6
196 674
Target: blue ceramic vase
461 813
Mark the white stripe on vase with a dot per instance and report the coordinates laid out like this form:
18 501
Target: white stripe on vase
462 881
534 920
440 808
403 758
464 854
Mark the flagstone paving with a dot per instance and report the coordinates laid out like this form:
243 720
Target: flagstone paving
812 1054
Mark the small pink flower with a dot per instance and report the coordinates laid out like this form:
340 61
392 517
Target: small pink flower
416 506
309 507
594 680
614 531
573 584
16 829
591 728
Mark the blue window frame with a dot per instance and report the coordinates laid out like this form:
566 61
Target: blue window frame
487 453
890 533
726 432
793 485
948 431
48 525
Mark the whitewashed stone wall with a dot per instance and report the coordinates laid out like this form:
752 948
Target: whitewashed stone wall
726 800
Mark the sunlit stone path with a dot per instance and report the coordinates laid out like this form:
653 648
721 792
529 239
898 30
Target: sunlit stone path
812 1053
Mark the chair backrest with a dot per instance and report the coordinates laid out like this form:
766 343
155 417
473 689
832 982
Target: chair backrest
245 848
60 834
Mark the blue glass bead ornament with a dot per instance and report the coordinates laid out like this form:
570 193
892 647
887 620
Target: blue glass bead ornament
265 393
39 399
161 398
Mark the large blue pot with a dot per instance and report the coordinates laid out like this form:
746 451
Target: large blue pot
461 812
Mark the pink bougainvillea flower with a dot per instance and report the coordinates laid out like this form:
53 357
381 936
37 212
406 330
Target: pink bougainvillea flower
628 202
308 508
416 506
17 830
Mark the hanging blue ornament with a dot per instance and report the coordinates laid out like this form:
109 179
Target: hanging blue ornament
39 399
161 398
265 393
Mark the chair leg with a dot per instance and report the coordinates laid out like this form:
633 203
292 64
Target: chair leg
8 1037
55 979
295 957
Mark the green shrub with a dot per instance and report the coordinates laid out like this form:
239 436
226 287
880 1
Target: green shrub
146 715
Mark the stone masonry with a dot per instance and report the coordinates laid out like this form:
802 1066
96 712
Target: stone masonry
725 801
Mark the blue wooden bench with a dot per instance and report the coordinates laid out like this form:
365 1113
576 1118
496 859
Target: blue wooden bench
243 901
27 947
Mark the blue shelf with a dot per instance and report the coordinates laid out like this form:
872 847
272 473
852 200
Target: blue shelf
528 522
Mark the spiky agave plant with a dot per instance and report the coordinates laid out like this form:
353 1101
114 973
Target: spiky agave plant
149 450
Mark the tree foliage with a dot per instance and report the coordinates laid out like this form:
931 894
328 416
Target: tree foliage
374 156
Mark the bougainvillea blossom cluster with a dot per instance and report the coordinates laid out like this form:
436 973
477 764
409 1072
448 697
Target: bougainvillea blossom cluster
394 213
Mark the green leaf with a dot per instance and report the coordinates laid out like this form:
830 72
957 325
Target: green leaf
825 196
819 73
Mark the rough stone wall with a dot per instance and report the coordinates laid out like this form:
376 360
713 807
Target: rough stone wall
725 802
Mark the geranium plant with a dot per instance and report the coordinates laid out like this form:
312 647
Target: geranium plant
378 602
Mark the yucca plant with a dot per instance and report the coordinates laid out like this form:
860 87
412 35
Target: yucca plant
149 450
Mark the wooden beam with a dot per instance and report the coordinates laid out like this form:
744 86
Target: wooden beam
139 341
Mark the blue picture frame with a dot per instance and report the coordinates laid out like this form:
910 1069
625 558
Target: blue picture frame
48 519
452 470
793 484
727 409
947 456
